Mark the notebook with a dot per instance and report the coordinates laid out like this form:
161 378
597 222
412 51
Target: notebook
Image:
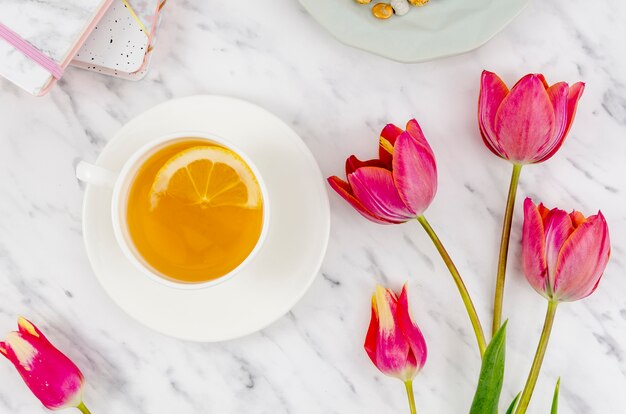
38 38
121 44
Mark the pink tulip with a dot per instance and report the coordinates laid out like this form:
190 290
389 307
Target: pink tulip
564 255
527 124
394 342
396 187
49 374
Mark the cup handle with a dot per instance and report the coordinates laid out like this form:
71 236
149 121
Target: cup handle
92 174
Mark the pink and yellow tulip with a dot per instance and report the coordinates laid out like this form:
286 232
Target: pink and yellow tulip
49 374
564 255
396 187
528 123
394 342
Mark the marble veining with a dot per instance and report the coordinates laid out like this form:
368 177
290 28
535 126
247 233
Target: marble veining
337 99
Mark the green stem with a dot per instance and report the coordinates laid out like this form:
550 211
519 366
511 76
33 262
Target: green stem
536 367
465 296
83 409
409 392
504 249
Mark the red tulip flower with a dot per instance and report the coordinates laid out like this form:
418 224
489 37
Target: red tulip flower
399 185
524 125
49 374
529 123
394 342
564 255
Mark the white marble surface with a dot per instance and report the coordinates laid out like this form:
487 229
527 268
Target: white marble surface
337 98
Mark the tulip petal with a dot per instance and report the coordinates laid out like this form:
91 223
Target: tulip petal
558 97
411 331
414 129
392 348
387 140
353 164
525 120
343 189
27 327
414 170
492 92
557 227
543 80
3 349
582 260
372 334
575 92
375 189
544 212
385 304
23 351
534 247
577 218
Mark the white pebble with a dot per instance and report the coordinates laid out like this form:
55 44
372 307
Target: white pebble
401 7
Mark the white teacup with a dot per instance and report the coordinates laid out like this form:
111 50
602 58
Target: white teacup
121 182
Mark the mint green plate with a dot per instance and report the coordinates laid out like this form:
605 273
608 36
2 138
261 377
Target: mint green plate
440 28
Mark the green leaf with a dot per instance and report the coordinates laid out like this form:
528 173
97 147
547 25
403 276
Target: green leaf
513 404
555 399
491 375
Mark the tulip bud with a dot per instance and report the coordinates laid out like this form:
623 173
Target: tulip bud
564 255
49 374
527 124
394 342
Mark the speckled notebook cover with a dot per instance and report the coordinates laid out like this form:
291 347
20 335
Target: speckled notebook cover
122 42
39 34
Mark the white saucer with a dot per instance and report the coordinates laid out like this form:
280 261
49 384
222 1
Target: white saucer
277 277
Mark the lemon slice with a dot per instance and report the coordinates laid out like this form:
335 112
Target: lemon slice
209 176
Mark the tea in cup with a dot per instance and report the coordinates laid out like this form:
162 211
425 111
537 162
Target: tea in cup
189 210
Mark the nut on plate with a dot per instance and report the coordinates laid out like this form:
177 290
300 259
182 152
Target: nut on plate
363 1
418 3
382 10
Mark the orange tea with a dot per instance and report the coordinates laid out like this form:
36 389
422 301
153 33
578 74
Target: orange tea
194 211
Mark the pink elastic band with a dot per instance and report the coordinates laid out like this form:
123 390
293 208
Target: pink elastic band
31 52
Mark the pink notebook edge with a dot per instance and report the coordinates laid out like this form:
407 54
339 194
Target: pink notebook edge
77 45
